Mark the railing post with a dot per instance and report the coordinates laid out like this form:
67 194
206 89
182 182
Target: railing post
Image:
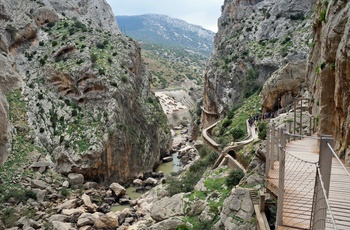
319 211
268 155
295 118
301 118
282 162
272 149
325 160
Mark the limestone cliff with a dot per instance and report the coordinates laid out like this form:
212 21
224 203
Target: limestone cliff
88 103
256 38
329 72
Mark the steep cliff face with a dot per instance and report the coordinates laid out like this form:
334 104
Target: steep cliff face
329 72
255 38
85 89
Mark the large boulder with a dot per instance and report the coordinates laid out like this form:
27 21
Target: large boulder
238 204
168 207
106 221
75 179
117 189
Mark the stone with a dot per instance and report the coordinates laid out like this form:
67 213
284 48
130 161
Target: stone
196 208
167 159
65 184
150 181
90 185
25 223
75 179
124 201
40 194
38 184
167 207
67 204
137 182
169 224
117 189
109 221
57 225
86 219
85 228
73 211
59 218
109 200
87 202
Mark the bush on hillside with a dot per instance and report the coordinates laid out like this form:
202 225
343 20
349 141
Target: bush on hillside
234 177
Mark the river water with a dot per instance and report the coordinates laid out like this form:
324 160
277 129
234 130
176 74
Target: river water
166 168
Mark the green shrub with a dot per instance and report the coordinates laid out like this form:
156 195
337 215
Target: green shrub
65 192
322 17
262 127
237 133
9 217
234 177
100 45
182 227
124 79
226 123
50 24
298 16
11 30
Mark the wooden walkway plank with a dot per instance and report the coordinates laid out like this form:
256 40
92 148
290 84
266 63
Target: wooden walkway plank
299 186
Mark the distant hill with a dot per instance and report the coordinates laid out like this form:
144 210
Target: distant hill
164 30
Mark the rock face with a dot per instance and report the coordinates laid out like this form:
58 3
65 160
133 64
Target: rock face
329 72
255 38
85 88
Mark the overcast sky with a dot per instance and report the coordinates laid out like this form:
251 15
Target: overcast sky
199 12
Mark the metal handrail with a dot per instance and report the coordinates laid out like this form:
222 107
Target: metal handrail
336 156
326 199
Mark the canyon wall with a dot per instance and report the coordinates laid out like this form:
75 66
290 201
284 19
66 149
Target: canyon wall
83 88
329 72
255 39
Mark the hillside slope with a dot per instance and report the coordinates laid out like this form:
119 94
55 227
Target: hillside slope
164 30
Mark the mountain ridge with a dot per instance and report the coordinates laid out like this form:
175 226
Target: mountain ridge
162 29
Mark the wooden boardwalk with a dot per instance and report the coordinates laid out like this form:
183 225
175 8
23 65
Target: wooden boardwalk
300 173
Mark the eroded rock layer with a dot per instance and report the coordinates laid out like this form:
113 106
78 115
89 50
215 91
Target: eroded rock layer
329 72
84 87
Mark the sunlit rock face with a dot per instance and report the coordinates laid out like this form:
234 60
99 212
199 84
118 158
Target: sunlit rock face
255 39
85 90
329 72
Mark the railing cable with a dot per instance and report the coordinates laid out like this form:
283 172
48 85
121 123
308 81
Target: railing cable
336 156
326 199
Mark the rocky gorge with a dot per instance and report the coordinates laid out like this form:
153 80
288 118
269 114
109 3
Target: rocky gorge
79 123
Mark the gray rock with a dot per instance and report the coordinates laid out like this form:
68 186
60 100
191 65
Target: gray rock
86 219
117 189
65 184
73 211
168 207
67 205
90 185
137 182
57 225
169 224
40 194
151 181
75 179
106 221
38 184
87 202
59 218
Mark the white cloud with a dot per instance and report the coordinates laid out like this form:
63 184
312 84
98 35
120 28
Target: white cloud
200 12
